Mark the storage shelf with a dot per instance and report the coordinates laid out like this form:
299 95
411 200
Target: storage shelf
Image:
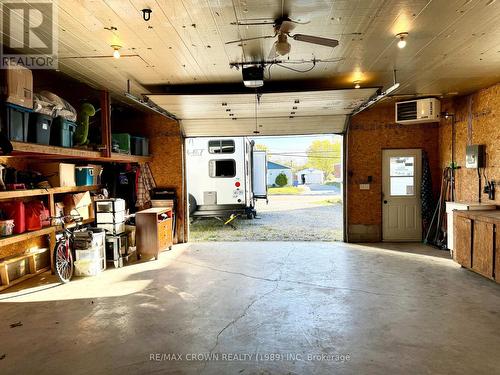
9 240
36 192
129 158
23 149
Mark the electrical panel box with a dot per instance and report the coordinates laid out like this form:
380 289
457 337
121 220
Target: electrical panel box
475 156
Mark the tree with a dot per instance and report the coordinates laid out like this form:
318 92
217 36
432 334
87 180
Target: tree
323 155
281 180
261 147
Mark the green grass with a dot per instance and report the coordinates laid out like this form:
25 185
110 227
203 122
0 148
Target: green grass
286 190
326 202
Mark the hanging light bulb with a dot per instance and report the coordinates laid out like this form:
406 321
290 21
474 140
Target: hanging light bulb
116 51
357 84
402 39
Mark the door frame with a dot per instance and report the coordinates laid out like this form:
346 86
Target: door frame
382 192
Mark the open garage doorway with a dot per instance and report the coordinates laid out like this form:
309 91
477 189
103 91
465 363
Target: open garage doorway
303 179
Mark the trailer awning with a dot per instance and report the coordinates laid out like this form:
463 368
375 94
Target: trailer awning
290 113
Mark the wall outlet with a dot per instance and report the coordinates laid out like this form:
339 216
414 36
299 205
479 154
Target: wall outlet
364 186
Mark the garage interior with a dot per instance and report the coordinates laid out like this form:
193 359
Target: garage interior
395 296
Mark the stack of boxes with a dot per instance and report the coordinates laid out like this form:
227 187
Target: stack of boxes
110 216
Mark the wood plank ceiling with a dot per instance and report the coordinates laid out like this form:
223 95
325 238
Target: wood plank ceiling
453 46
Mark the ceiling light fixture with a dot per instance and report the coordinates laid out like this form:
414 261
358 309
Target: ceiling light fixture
402 39
116 50
357 84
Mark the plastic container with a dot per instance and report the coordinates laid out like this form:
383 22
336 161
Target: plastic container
139 146
89 267
96 252
62 132
110 217
16 210
39 128
84 176
6 227
122 142
113 229
15 121
110 205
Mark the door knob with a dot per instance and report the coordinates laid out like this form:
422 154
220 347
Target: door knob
385 202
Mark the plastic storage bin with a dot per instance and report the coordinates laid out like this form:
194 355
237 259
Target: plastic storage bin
116 248
39 128
84 176
6 227
121 142
15 121
62 132
110 205
139 146
113 229
110 217
89 267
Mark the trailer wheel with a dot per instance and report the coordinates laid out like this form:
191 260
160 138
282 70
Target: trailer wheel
193 206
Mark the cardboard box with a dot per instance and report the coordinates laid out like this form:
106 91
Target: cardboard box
19 86
78 204
57 174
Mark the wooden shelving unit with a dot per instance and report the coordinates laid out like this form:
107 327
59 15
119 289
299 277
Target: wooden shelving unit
13 194
33 270
9 240
23 150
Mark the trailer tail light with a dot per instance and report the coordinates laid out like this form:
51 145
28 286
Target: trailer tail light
237 184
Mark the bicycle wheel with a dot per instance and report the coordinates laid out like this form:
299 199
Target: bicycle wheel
63 262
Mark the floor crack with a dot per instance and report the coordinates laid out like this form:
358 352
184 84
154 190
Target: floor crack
253 302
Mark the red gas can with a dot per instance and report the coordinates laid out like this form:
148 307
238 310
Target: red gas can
16 211
34 211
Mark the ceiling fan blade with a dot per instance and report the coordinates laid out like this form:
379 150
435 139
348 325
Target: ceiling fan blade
316 40
248 39
287 26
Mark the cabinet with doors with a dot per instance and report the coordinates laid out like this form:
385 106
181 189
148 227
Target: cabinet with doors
154 231
476 241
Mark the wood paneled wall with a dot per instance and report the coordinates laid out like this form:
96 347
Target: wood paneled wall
369 133
476 122
166 146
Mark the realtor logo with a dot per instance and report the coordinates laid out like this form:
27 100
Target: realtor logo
29 34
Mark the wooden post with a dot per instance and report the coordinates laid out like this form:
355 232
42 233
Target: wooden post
106 122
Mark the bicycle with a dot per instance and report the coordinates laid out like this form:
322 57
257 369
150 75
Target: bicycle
63 251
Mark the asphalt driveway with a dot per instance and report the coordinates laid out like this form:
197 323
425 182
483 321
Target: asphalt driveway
315 215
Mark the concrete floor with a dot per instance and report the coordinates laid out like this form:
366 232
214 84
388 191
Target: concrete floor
367 309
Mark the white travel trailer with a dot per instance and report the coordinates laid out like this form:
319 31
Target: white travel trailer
225 175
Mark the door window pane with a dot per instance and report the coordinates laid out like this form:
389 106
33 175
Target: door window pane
221 146
402 166
402 186
222 168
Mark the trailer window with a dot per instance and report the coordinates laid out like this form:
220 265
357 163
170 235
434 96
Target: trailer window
221 146
222 168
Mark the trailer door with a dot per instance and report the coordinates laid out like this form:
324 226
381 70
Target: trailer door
259 174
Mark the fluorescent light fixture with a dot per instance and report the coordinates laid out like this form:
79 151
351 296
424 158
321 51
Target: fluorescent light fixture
374 99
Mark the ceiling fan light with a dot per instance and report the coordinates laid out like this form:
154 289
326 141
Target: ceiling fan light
283 48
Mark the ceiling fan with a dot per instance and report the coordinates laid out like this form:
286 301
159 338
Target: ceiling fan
282 28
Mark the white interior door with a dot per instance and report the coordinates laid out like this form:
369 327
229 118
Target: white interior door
401 207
